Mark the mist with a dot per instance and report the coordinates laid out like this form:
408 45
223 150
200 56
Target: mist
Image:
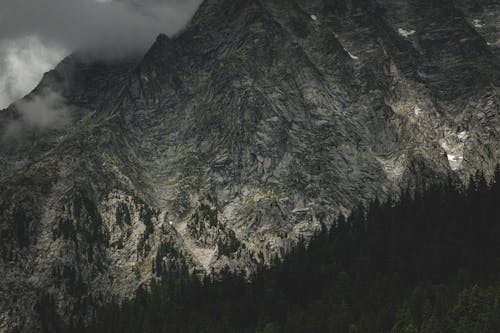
45 111
22 63
36 35
105 27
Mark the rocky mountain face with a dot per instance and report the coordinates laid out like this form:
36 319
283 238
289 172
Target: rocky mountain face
223 145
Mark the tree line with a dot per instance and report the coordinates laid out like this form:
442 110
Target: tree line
426 263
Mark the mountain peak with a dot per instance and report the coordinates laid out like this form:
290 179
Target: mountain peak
162 38
257 125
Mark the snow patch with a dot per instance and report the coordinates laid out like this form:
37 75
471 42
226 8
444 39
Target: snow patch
314 17
454 154
417 110
406 33
477 23
455 161
453 144
463 135
351 55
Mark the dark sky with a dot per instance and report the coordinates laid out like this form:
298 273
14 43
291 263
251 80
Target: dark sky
36 34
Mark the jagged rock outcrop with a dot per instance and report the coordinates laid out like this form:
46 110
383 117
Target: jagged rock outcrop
224 144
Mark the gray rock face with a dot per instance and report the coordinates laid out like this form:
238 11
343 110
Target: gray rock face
223 145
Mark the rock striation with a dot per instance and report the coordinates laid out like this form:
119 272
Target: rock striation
223 145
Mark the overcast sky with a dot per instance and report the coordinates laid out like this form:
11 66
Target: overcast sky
36 34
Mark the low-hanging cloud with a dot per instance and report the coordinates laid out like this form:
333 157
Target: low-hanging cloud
35 35
44 111
103 26
22 63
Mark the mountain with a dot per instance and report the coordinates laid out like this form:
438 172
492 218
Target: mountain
225 144
428 263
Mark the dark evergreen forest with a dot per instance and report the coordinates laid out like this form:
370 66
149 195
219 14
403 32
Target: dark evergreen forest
429 262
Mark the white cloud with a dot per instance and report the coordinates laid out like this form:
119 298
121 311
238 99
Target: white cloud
36 35
100 26
43 112
22 64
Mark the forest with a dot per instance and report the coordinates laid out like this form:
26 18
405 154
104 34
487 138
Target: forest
428 262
